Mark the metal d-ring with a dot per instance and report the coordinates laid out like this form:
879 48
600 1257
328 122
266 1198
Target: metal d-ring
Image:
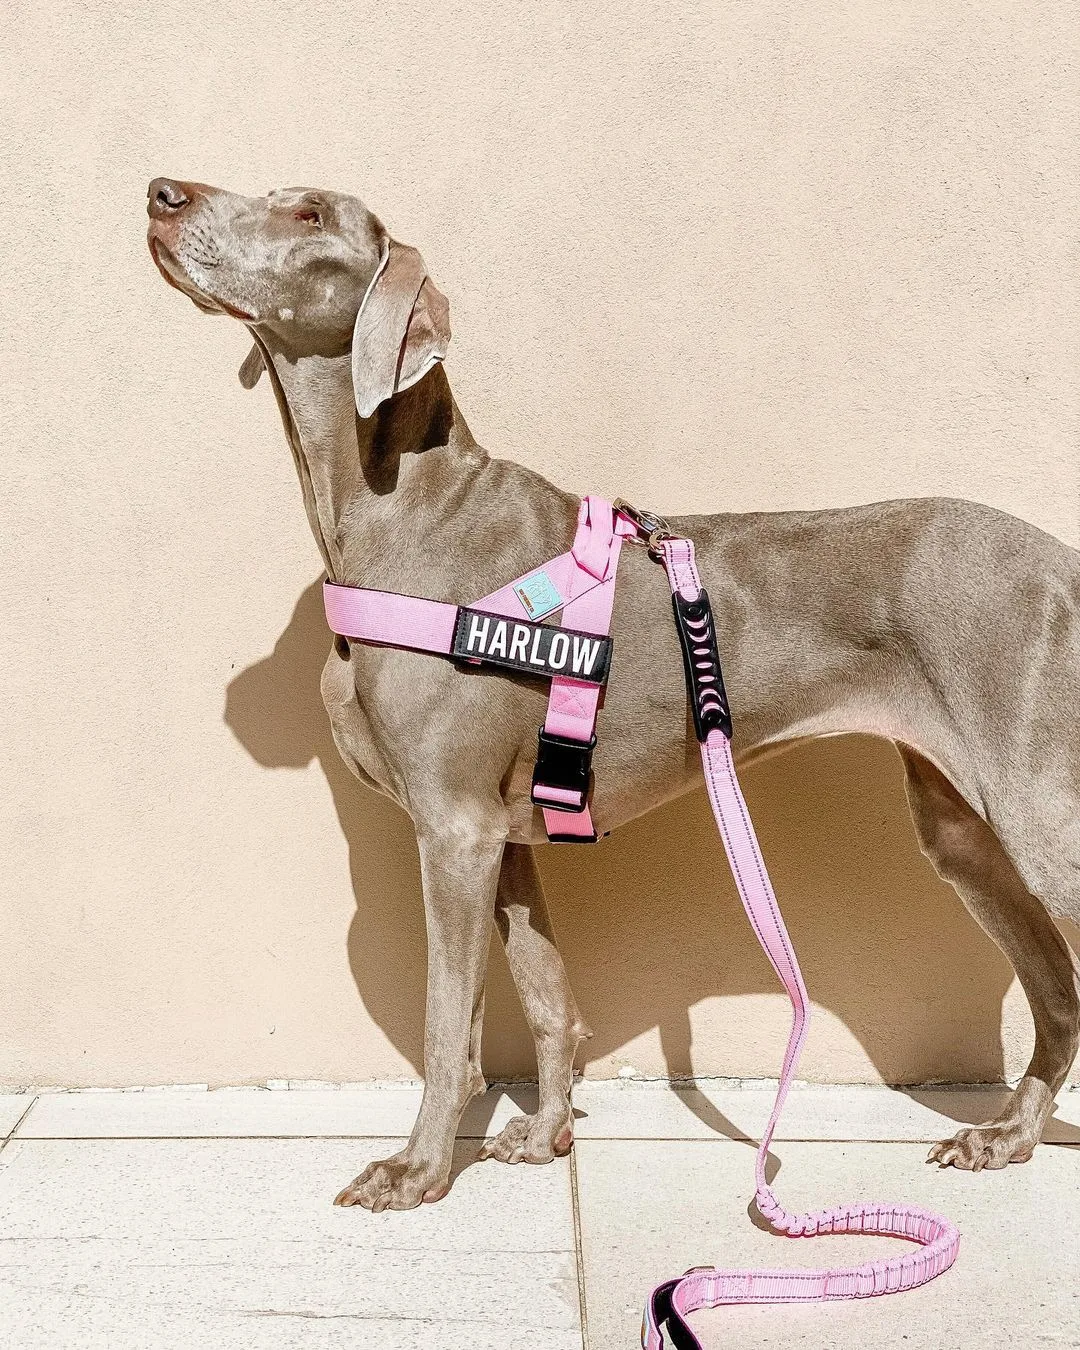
655 528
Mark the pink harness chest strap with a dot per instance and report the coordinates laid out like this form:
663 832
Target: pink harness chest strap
938 1240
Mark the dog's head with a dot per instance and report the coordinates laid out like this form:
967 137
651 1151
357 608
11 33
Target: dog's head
313 272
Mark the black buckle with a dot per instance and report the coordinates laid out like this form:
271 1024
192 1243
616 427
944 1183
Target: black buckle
566 764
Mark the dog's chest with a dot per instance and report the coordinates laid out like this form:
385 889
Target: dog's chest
356 726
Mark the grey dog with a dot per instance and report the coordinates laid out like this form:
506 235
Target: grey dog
949 628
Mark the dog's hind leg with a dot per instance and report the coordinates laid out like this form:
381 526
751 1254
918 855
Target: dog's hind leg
524 923
967 853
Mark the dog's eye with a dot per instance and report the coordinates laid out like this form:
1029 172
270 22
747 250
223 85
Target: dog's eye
309 215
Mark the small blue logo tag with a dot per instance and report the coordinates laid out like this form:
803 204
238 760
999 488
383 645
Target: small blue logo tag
538 594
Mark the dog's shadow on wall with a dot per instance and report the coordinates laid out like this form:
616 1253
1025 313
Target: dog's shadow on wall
648 921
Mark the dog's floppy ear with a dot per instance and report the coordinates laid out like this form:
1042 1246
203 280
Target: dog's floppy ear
252 367
402 329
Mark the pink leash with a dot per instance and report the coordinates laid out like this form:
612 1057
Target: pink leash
706 1287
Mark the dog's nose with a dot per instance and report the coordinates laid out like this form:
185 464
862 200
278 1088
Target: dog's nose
165 198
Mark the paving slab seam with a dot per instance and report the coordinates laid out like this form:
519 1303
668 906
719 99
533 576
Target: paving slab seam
579 1254
391 1085
747 1139
11 1133
210 1138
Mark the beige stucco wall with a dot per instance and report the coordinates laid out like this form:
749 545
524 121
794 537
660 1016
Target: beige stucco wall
715 255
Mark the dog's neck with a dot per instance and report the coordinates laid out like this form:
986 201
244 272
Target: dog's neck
359 476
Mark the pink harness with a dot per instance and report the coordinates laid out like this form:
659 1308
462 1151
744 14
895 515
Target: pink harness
504 630
582 584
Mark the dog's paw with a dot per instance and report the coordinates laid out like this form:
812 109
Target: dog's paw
530 1139
394 1183
993 1146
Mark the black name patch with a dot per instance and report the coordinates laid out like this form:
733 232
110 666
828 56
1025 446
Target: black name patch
532 648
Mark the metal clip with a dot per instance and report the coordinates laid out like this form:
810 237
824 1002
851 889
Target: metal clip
655 528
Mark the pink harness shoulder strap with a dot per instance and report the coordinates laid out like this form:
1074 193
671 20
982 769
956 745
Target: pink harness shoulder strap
572 704
706 1287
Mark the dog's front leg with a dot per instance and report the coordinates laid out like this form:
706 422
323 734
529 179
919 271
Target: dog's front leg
459 864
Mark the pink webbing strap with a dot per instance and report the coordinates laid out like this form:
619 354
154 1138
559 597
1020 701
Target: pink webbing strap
386 617
706 1287
573 704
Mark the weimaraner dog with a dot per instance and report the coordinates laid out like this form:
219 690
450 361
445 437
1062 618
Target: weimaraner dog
949 628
